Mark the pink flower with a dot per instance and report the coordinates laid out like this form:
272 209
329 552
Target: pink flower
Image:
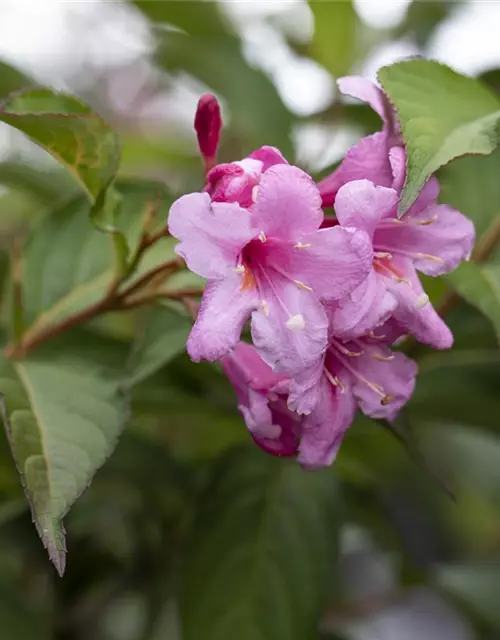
363 373
369 158
270 261
208 124
262 401
430 238
235 181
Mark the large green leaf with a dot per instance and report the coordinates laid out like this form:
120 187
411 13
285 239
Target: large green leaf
443 115
480 286
334 41
263 551
11 79
67 265
162 337
70 131
63 410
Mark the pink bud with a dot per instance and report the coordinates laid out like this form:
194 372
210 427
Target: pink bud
208 124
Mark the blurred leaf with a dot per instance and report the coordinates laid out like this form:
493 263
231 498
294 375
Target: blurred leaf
334 40
63 410
491 78
443 115
423 17
471 185
480 286
45 185
475 584
19 621
59 283
208 50
11 79
263 551
70 131
162 338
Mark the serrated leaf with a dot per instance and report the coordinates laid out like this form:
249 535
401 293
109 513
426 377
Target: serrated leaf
70 131
57 284
63 411
334 40
263 551
480 287
163 337
443 115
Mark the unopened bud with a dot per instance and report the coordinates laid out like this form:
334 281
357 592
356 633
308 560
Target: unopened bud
208 124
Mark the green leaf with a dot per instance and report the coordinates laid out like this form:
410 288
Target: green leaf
476 584
70 131
63 410
11 79
59 283
162 339
443 115
334 40
480 287
262 556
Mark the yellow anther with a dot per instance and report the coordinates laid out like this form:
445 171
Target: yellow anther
302 285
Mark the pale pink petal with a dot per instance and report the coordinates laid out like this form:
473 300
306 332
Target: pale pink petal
324 429
366 160
366 91
290 332
362 204
269 156
288 203
332 262
364 309
223 312
437 239
279 433
395 378
304 391
211 235
414 312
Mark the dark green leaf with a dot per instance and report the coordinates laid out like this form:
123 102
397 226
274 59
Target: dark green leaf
11 79
480 287
263 551
162 338
70 131
443 115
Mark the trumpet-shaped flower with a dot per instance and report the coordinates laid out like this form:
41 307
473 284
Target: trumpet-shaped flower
271 261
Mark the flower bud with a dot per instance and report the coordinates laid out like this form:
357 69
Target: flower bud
208 124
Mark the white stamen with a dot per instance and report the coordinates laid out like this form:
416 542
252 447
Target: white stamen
265 306
262 237
255 193
296 323
302 285
239 269
299 245
422 300
383 254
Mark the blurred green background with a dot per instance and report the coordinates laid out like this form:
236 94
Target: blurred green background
410 563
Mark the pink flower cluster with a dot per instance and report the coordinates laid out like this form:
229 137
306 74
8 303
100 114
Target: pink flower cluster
326 296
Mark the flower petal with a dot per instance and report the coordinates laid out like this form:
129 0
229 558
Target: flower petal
396 377
324 429
223 312
211 234
414 312
368 159
274 428
305 389
437 239
366 91
362 204
364 309
291 332
331 262
288 203
269 156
